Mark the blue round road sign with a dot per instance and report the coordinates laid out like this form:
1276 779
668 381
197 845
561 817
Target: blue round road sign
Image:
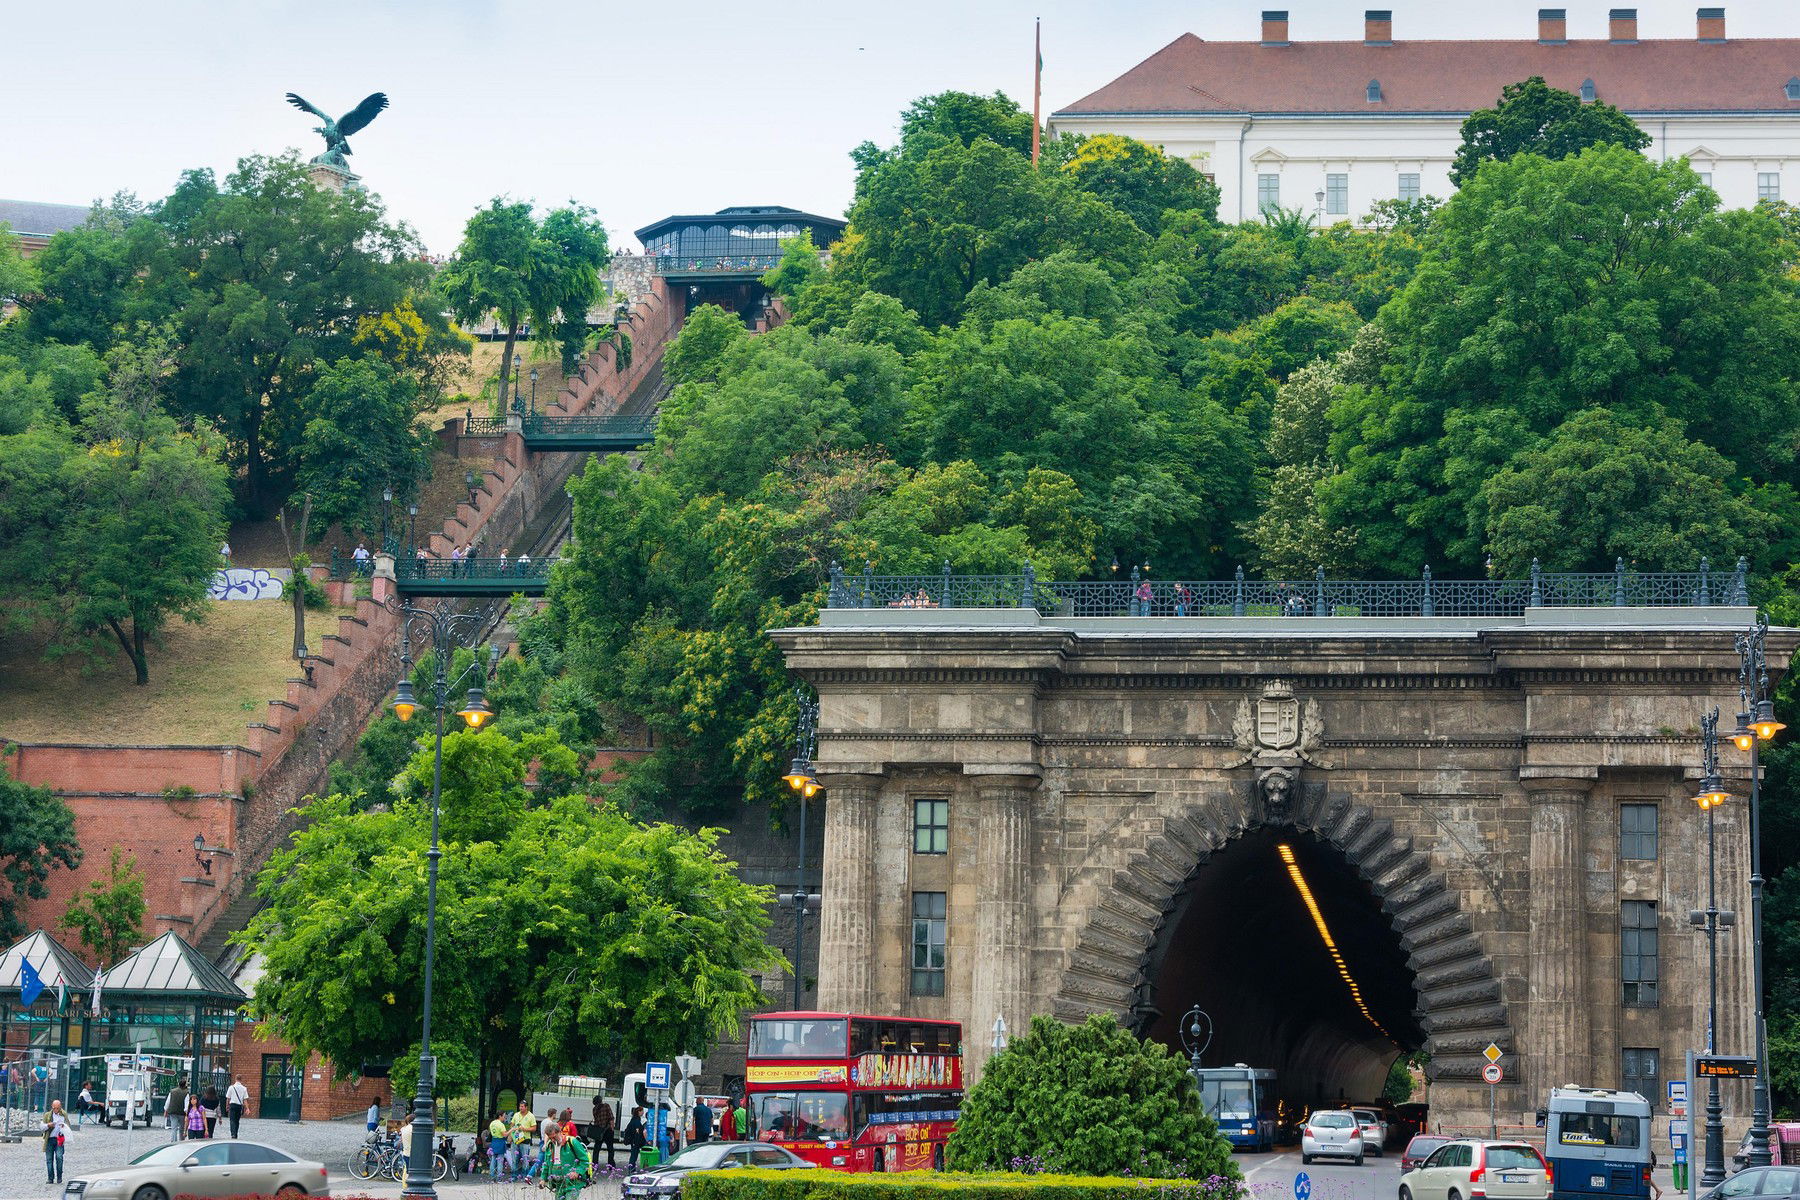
1302 1186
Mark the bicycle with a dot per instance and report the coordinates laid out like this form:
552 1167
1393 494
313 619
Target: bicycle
387 1158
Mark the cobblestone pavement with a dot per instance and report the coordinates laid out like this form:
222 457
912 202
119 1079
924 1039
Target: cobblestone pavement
94 1148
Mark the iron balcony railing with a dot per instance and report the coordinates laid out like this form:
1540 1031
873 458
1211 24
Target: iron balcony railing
640 429
1315 597
715 264
474 568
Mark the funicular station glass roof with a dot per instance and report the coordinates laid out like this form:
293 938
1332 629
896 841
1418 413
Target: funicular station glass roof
739 242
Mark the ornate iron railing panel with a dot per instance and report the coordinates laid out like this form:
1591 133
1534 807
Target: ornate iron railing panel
715 264
1315 597
637 430
496 569
474 426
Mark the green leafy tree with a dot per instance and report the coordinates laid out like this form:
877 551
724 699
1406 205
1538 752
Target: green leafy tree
1089 1099
37 835
362 437
517 268
966 117
146 516
800 267
17 278
108 918
574 938
697 354
1139 180
1535 118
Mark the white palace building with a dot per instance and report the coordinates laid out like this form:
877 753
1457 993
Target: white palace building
1332 127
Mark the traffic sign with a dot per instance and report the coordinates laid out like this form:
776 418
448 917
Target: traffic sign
656 1076
1492 1053
1678 1091
683 1094
1491 1072
1302 1186
687 1064
1678 1128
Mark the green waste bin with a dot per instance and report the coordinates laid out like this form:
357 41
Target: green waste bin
649 1156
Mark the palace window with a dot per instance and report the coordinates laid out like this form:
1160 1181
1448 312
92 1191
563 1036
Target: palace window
1793 88
931 826
1587 91
1705 178
1409 187
1637 831
929 911
1768 185
1638 968
1638 1071
1337 195
1268 193
1374 92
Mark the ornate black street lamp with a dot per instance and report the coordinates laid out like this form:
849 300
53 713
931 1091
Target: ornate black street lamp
800 778
534 389
412 529
1755 725
387 502
1196 1036
1712 793
446 629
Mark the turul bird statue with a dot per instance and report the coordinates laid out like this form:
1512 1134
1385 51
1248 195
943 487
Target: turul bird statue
337 133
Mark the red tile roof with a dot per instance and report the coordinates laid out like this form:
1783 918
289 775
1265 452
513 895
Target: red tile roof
1190 75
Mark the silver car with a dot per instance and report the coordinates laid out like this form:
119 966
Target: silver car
1374 1130
659 1183
1332 1134
204 1169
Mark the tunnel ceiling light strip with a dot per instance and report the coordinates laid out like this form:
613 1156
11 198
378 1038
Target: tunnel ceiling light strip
1312 906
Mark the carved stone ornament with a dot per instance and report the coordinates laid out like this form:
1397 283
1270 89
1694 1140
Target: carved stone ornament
1278 729
1277 785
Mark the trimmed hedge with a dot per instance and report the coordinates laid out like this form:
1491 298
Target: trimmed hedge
762 1184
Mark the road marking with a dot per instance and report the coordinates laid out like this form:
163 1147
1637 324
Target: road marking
1275 1161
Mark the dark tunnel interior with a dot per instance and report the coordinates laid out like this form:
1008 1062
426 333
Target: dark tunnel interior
1243 945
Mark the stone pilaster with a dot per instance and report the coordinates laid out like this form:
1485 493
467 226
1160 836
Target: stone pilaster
847 919
1003 934
1557 1020
1737 1005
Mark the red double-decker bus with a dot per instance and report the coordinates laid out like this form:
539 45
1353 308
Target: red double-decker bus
853 1092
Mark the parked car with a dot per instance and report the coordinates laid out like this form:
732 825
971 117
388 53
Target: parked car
204 1169
666 1180
1468 1167
1336 1133
1763 1183
1374 1129
1419 1148
1784 1144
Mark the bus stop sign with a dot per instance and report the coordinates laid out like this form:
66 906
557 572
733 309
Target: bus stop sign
656 1076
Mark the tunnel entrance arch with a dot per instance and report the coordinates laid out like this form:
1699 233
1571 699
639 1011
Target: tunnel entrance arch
1235 934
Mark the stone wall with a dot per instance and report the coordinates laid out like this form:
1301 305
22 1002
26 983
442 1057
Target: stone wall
1469 772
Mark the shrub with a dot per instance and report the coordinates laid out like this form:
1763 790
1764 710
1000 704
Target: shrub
753 1184
1091 1098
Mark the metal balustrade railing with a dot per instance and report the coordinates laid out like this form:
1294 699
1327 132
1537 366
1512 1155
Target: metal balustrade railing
474 568
709 264
639 429
1426 596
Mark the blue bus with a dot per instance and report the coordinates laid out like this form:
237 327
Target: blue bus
1597 1143
1241 1101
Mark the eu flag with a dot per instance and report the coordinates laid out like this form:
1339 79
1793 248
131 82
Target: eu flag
31 985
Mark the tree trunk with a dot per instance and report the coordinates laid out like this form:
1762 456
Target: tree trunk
512 335
138 659
255 478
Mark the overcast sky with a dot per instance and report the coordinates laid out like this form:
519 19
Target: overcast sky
636 110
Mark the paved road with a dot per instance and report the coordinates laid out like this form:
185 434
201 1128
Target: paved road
1271 1177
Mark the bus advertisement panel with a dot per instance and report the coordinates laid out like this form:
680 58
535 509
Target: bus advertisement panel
855 1093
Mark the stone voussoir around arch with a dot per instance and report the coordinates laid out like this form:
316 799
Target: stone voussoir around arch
1461 1005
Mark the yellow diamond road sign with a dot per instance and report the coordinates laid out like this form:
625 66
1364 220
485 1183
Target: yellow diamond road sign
1492 1053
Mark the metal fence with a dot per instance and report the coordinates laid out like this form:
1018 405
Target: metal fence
474 567
714 264
1138 596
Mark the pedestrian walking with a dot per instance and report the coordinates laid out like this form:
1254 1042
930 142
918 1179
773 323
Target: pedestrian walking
373 1116
56 1135
605 1133
568 1168
237 1097
210 1104
551 1123
634 1138
196 1119
524 564
175 1109
742 1115
1145 597
703 1119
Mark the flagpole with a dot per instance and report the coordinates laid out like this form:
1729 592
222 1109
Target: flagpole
1037 88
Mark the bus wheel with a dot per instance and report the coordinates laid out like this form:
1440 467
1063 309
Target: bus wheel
881 1160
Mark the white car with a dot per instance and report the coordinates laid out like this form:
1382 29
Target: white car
1333 1134
1471 1169
1374 1130
204 1169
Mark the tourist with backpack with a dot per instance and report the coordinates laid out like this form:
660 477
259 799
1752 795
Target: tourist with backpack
567 1165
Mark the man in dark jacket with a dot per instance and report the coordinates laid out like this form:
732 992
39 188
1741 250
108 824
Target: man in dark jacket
703 1116
634 1137
176 1109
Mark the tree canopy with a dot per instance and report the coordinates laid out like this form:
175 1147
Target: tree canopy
37 835
1534 118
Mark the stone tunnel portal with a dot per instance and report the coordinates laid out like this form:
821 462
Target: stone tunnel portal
1244 942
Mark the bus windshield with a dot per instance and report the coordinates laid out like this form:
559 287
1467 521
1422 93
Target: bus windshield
1228 1099
824 1037
802 1116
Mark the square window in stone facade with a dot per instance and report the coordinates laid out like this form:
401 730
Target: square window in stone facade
931 825
1638 953
1637 831
929 911
1409 187
1639 1071
1768 185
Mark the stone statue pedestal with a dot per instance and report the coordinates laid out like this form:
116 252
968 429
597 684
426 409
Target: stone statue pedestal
329 177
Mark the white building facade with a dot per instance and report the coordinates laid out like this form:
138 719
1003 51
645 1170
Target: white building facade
1331 128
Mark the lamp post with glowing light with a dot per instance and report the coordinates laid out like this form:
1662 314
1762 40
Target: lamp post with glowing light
1756 724
1196 1036
446 629
1712 793
800 778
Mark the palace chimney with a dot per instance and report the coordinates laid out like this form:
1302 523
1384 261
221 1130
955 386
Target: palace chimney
1553 26
1378 27
1709 25
1274 27
1621 25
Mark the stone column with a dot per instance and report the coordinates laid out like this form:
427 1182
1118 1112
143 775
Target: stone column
847 917
1558 1030
1002 940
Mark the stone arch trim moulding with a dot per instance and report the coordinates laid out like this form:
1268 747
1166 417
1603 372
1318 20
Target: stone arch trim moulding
1461 1005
